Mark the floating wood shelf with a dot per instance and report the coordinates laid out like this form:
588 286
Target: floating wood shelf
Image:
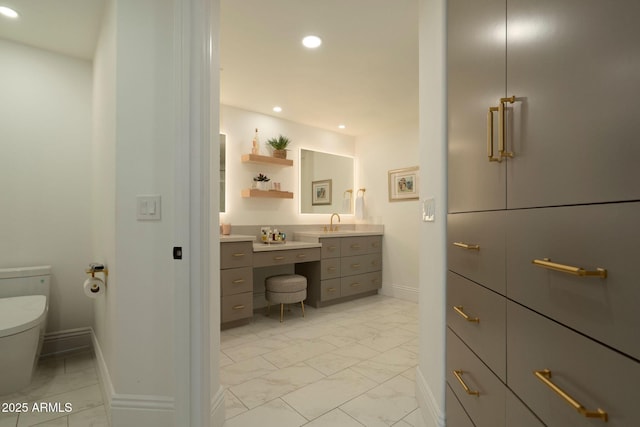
266 160
252 192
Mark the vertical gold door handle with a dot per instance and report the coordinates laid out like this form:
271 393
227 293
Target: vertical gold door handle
490 135
502 130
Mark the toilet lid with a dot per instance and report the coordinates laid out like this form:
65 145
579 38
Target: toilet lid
17 314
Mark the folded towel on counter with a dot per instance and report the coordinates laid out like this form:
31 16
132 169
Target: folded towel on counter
360 207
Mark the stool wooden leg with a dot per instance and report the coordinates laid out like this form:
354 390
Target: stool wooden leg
281 312
302 304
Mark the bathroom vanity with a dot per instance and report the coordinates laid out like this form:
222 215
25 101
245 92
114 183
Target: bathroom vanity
339 266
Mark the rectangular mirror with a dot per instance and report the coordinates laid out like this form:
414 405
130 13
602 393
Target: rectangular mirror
326 182
223 167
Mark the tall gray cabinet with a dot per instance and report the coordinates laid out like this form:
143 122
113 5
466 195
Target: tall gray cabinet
543 203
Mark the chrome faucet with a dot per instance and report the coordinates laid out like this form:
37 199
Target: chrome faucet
331 228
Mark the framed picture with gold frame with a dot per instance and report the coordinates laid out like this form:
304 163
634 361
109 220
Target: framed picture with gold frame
403 184
321 192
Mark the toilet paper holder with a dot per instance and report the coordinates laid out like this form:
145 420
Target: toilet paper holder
97 268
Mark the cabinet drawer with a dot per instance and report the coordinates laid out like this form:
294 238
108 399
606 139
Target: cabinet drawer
330 247
236 254
236 281
330 268
518 415
350 246
286 256
360 264
487 408
475 247
361 283
456 416
592 374
484 332
589 237
329 289
235 307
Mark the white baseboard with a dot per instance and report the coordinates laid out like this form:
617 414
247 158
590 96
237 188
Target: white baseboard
106 386
403 292
218 409
432 414
70 340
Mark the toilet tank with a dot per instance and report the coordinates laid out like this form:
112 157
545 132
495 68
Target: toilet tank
16 282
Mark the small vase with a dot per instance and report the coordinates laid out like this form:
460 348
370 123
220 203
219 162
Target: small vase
262 185
280 154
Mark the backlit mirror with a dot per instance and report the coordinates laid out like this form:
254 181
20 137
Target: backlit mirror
326 182
223 163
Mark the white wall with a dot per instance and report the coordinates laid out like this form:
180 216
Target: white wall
377 154
134 145
45 173
430 375
239 126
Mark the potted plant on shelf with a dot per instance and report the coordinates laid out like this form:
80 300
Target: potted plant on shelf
261 182
279 146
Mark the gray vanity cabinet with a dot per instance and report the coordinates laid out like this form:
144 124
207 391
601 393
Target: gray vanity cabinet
350 267
236 283
531 232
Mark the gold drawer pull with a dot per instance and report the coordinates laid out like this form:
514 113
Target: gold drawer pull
375 245
278 258
466 246
238 307
545 377
302 256
355 266
332 248
356 285
331 289
466 388
355 246
575 271
239 255
238 281
331 268
459 309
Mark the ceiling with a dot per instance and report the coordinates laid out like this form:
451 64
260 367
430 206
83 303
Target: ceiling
365 74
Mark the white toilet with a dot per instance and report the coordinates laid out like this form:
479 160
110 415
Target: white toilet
24 303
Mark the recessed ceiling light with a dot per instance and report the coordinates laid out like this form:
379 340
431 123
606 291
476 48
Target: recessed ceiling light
312 42
277 109
8 12
341 126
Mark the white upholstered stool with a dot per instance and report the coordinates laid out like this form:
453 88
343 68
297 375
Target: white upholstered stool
286 289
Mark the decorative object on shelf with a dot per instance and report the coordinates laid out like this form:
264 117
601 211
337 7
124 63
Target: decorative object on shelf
267 235
321 192
261 182
255 145
279 146
403 184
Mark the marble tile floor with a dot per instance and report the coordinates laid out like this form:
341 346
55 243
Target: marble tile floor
72 379
350 364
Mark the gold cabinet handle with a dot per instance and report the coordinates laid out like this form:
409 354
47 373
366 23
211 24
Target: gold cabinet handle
466 388
502 131
545 376
332 248
575 271
238 307
331 289
490 135
460 310
239 255
355 285
238 281
331 268
355 266
302 256
355 246
466 246
278 258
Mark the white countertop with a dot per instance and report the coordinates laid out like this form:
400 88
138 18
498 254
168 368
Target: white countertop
290 244
237 238
314 236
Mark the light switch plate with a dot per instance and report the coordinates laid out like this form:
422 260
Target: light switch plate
148 207
429 210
